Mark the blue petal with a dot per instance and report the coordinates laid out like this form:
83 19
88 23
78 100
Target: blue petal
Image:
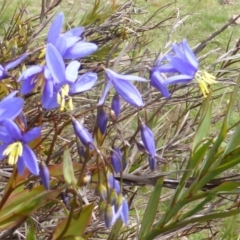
104 94
15 62
178 79
157 81
182 67
5 137
79 50
31 134
116 105
55 28
28 86
165 68
124 212
48 89
70 41
75 32
2 149
128 92
12 129
111 74
30 160
61 45
50 102
152 162
84 83
55 63
10 95
45 176
30 72
116 158
20 165
189 54
148 139
82 133
102 121
72 71
13 111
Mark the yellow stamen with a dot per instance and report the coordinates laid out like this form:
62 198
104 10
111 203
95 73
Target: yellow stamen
13 151
204 78
62 96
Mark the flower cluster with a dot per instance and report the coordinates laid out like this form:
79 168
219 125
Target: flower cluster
181 67
58 77
57 82
113 206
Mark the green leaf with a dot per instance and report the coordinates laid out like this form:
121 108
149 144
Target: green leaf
78 224
68 172
151 210
204 123
31 232
20 205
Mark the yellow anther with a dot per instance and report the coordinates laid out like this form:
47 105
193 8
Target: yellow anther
204 78
63 96
13 151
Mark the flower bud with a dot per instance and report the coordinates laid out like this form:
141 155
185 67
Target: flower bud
113 196
116 106
152 162
101 190
82 133
108 216
101 208
116 159
119 202
114 183
148 139
102 120
44 174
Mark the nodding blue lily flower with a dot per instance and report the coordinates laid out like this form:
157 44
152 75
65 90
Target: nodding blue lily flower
182 67
15 146
10 107
4 69
82 133
123 87
149 144
69 44
116 159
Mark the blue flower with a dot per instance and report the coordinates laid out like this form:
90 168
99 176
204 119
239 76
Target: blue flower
10 107
4 70
69 44
123 87
15 146
149 144
66 80
181 67
116 159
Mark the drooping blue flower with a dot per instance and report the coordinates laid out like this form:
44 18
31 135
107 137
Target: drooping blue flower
69 44
123 87
116 159
10 107
15 146
82 133
180 65
4 69
148 139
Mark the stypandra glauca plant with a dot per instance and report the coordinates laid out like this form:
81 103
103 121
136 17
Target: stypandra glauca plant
103 139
